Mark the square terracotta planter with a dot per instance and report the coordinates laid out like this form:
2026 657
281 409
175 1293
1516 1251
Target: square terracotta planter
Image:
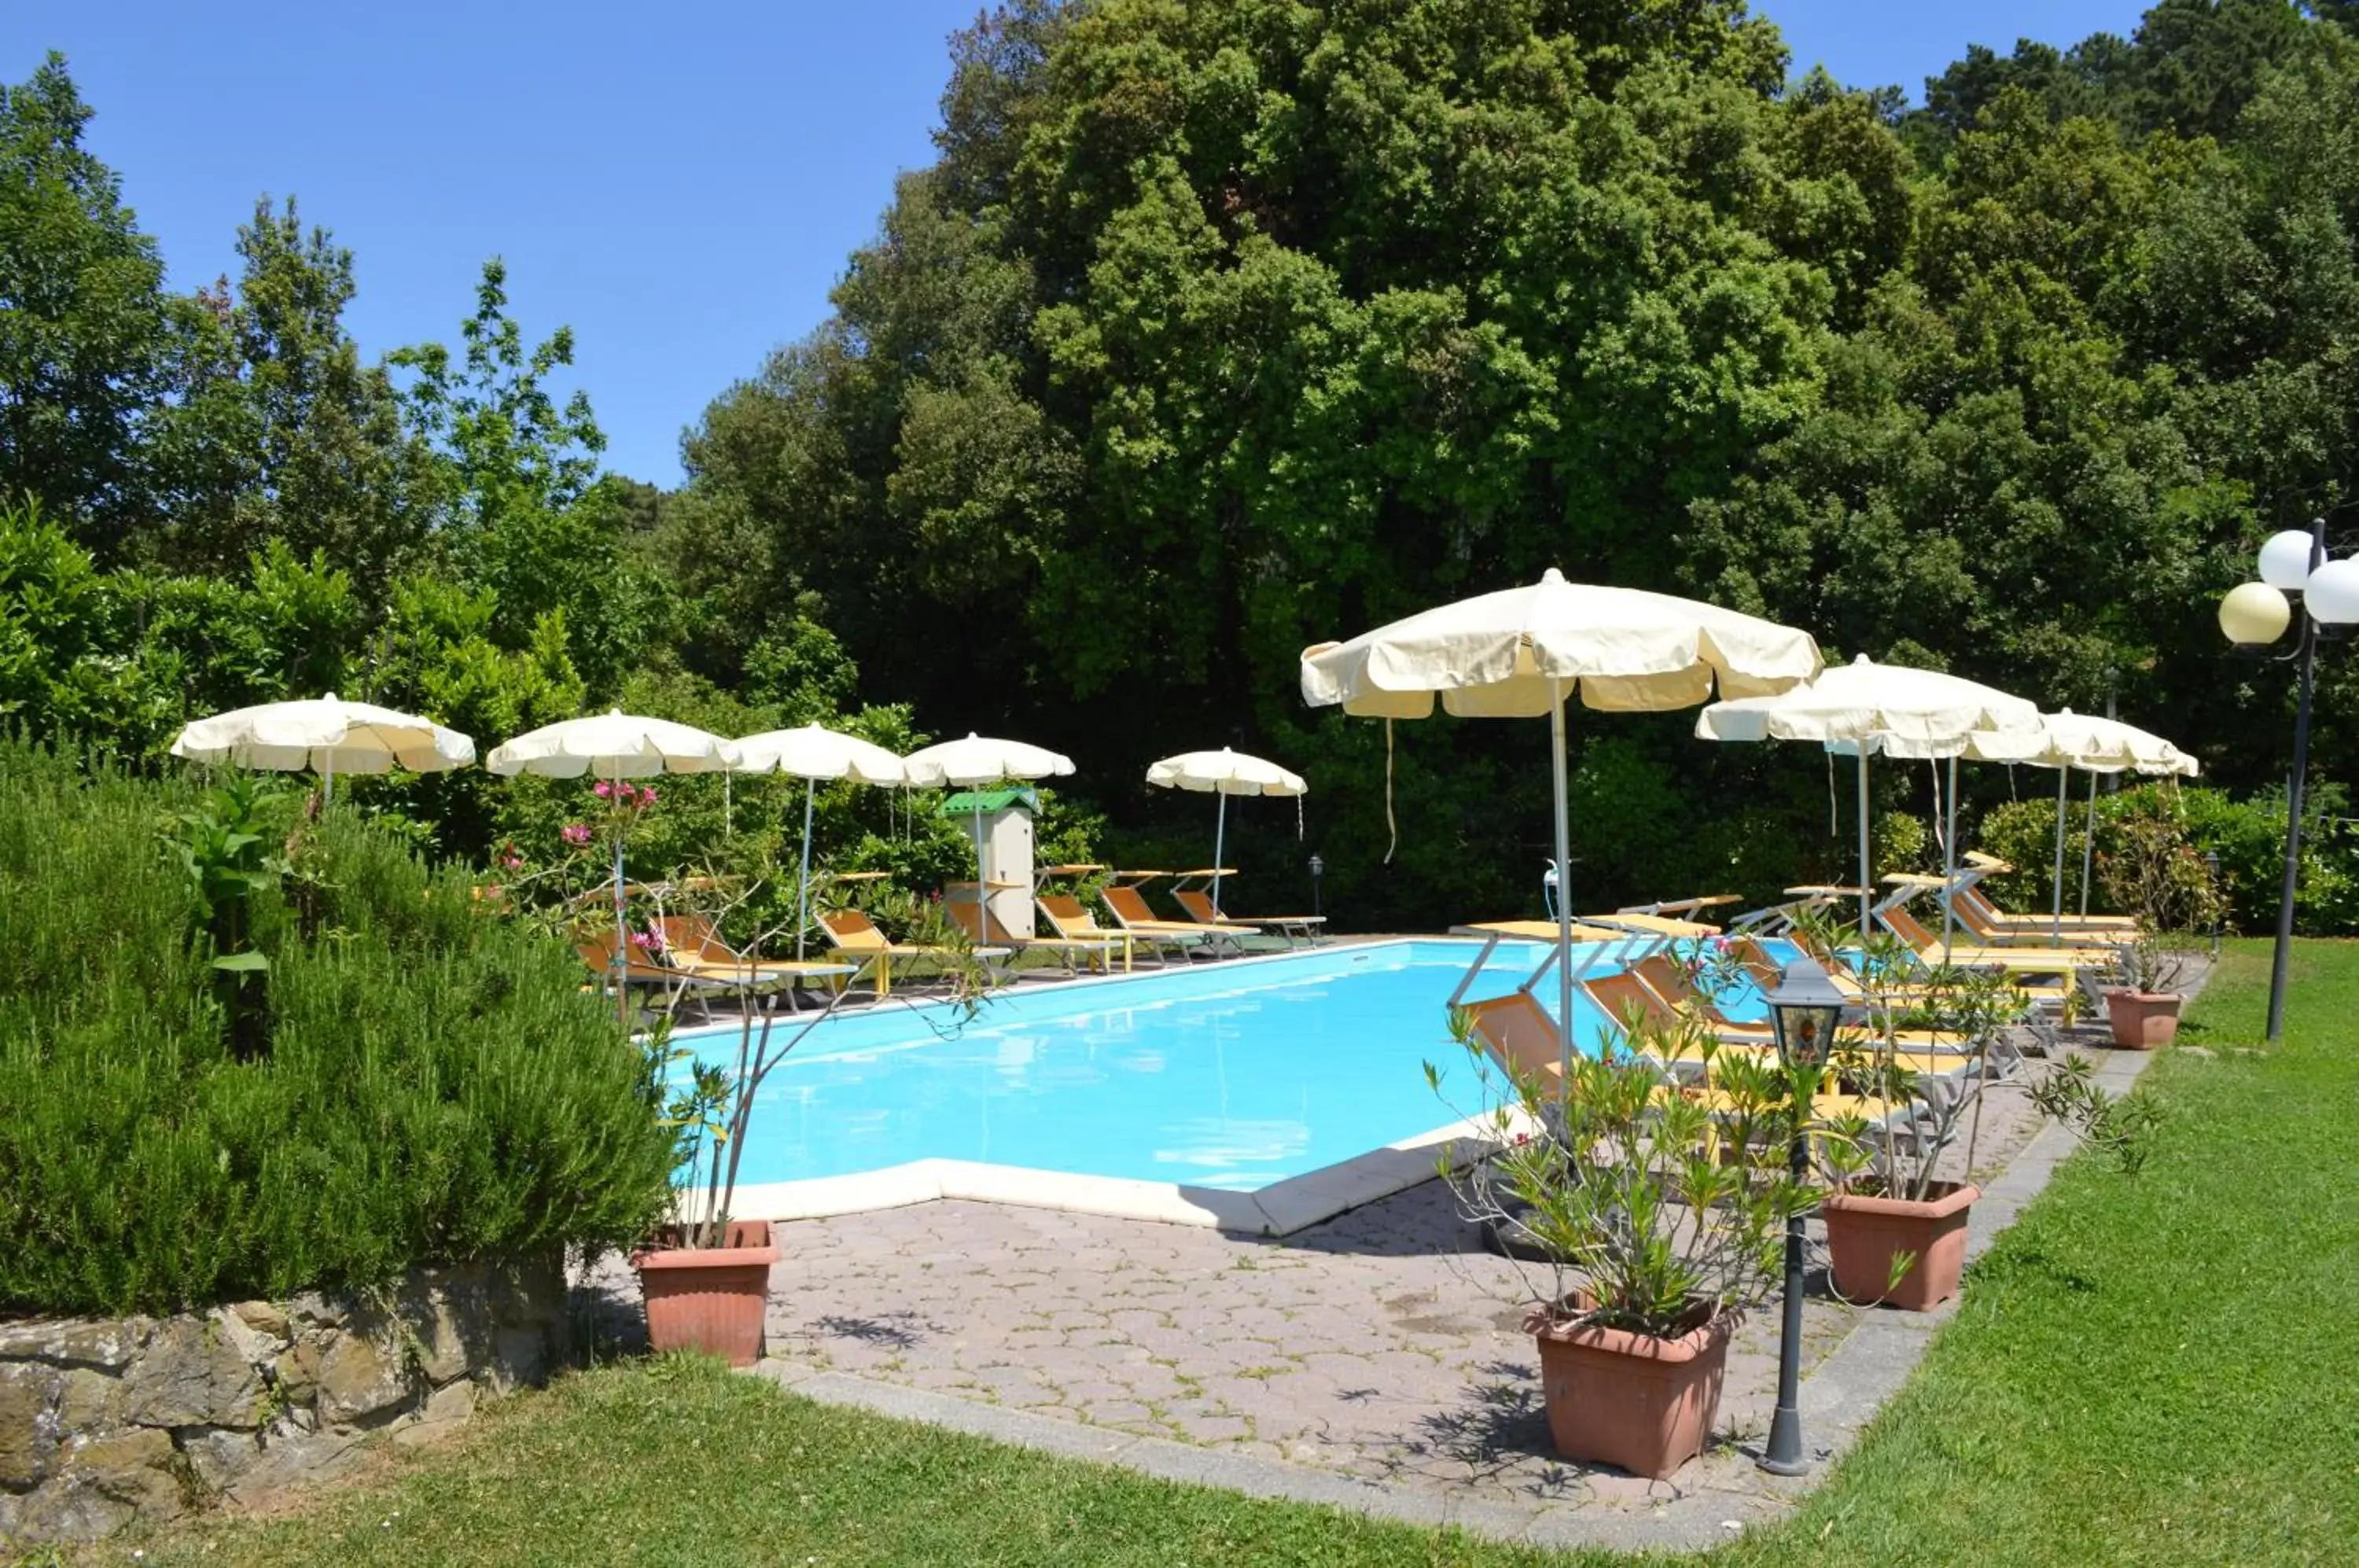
2142 1020
1865 1234
1643 1403
711 1299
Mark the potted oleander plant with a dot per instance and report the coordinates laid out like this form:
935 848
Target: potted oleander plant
1639 1241
1895 1221
705 1277
1897 1225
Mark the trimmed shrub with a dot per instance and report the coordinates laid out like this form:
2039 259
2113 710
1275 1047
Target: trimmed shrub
427 1084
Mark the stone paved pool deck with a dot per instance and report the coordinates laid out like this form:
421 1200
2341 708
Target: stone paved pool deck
1376 1362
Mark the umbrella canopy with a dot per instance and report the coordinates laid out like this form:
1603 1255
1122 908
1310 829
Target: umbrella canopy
1905 712
1864 706
327 734
980 759
1521 652
2067 740
1518 652
1224 773
614 745
815 754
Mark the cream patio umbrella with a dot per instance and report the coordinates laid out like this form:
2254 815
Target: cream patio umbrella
2067 740
326 734
976 760
613 745
1863 707
814 754
1521 652
1224 773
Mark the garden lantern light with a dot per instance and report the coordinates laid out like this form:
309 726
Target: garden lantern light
1803 1012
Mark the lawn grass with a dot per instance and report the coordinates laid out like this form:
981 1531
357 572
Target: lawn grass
2156 1370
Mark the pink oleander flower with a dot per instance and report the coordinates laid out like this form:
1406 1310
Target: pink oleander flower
603 790
647 797
577 833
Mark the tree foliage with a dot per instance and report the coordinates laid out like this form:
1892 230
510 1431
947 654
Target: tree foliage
1221 328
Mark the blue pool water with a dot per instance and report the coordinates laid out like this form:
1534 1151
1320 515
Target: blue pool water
1232 1075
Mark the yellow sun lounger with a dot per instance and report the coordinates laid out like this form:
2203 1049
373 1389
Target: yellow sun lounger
1096 952
1927 944
1131 912
855 935
1518 1033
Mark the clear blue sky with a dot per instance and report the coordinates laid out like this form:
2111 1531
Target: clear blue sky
681 182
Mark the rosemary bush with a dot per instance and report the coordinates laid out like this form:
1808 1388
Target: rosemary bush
423 1084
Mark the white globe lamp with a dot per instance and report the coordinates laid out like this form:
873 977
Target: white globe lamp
2285 560
2255 615
2332 595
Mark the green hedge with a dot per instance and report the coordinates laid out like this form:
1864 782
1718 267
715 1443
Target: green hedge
432 1085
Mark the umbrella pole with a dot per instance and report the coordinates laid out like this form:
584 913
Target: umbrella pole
1220 845
1563 891
1866 867
622 938
2063 783
2089 843
802 888
1949 861
982 876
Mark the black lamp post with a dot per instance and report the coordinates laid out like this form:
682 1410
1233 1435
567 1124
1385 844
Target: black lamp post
2255 615
1803 1011
1318 869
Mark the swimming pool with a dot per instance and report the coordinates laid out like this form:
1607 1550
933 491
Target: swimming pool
1228 1077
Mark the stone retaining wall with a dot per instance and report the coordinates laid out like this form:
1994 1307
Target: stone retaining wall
104 1420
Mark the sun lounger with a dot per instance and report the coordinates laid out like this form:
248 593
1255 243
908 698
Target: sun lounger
1625 995
1131 912
1199 905
851 933
1979 865
1664 975
1071 920
674 985
693 947
1075 953
1928 946
1986 919
1892 991
1518 1033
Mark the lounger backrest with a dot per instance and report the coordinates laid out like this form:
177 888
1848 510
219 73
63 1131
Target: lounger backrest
1663 976
1757 962
851 931
1974 913
1067 918
695 935
1620 994
1520 1035
1199 905
1129 905
1909 928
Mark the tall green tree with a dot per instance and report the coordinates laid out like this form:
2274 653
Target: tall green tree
279 430
86 328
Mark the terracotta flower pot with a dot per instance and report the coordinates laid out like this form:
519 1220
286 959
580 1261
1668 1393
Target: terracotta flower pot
1630 1399
710 1299
2143 1020
1865 1234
